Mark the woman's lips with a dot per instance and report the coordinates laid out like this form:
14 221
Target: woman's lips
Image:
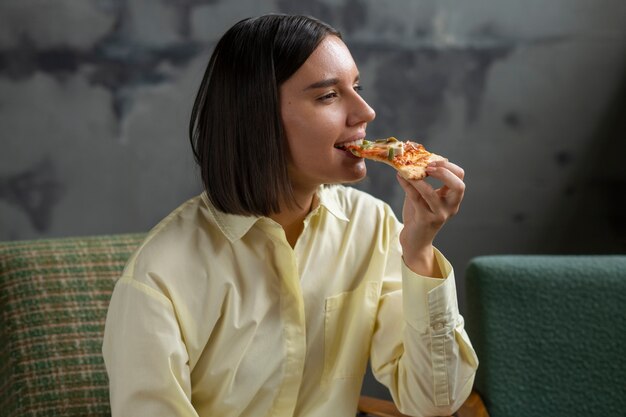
356 142
343 149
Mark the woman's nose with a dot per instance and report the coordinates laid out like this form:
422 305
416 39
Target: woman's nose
361 113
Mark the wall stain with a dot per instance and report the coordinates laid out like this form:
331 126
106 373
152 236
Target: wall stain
421 81
116 62
35 191
519 218
513 120
563 158
421 74
417 78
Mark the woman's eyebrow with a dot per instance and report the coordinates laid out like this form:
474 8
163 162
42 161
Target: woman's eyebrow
323 83
329 82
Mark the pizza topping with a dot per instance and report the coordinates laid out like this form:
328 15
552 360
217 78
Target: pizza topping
409 158
386 148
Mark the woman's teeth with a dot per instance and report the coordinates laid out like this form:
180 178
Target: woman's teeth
344 145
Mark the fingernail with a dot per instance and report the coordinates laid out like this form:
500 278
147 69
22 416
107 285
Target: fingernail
431 168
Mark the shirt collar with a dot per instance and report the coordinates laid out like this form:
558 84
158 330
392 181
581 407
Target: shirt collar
235 226
328 198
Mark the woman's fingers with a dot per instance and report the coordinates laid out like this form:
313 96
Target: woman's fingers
420 192
455 169
444 201
451 179
443 170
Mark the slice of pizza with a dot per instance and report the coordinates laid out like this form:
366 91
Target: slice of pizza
408 158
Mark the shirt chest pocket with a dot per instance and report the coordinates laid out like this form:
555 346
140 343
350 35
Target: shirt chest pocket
348 328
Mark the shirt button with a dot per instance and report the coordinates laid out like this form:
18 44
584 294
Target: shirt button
438 326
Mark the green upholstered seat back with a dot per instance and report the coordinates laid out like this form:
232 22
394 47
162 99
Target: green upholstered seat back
550 333
54 296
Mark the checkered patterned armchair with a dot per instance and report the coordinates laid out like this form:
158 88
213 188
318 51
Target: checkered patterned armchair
54 295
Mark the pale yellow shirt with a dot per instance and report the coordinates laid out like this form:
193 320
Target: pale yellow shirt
217 316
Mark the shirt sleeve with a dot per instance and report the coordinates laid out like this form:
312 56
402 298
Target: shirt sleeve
426 360
144 354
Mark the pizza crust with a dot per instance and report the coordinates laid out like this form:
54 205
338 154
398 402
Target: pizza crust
417 172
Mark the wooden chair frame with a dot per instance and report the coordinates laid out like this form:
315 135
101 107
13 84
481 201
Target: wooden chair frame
376 407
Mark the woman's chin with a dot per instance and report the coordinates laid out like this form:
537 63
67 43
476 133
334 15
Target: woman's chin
357 173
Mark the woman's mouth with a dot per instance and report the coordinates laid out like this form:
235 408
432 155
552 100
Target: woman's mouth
344 145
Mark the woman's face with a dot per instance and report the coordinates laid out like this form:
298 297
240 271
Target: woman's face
321 108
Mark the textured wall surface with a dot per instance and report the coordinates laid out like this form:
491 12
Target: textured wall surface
529 97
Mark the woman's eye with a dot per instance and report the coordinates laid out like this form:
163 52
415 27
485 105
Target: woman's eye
358 88
328 96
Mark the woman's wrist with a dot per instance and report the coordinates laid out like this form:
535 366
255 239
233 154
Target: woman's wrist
423 262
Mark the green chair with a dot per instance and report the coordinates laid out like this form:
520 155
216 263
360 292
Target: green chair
550 334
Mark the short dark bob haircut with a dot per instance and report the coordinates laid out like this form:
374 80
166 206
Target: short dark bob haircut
236 130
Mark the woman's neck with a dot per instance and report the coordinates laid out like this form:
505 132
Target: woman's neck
291 217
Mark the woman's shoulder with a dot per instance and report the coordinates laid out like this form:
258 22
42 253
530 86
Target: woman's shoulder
174 239
182 220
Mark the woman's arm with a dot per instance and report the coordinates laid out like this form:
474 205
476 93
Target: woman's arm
420 350
144 354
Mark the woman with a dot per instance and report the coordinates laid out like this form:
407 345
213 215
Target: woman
267 294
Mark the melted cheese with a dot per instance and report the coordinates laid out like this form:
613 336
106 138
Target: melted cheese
390 147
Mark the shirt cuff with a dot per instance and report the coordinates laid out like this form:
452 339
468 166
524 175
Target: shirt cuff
430 303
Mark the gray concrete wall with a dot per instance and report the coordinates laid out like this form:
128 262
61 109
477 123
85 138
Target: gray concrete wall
528 96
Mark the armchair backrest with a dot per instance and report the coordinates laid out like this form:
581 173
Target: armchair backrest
54 295
550 334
